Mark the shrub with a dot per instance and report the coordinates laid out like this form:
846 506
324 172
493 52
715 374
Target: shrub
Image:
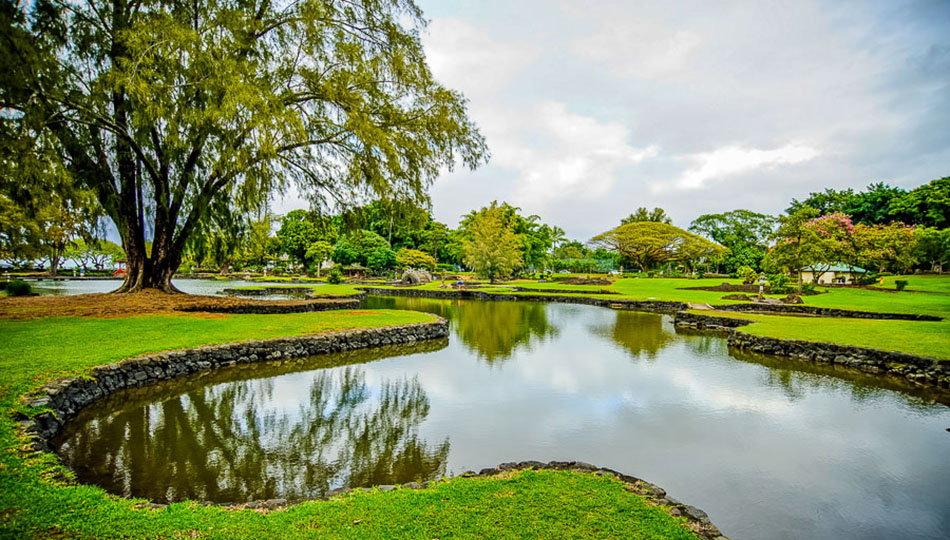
869 278
18 287
778 284
335 277
808 288
900 284
748 274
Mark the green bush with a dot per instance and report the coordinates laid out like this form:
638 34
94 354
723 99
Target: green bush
18 288
900 284
778 284
748 274
808 288
335 277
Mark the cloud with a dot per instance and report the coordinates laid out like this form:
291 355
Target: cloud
639 48
573 155
732 160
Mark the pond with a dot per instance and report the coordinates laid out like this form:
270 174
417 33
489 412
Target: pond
209 287
770 449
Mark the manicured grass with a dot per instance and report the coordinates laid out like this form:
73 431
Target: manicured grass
914 337
34 349
317 290
528 504
929 283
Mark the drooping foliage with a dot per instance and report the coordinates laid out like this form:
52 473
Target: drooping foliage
167 110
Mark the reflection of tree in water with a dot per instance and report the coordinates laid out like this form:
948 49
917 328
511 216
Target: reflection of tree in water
448 309
704 343
796 379
639 333
493 330
230 443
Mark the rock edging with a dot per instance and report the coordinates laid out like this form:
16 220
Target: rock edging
66 397
639 305
826 312
921 370
303 306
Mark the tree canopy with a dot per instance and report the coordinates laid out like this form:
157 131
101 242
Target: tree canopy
648 243
743 232
491 245
164 109
657 215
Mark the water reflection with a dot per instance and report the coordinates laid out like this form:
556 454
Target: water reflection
641 334
492 330
797 379
246 434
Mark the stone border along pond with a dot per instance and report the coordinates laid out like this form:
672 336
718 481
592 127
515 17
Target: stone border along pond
921 370
290 306
66 397
918 369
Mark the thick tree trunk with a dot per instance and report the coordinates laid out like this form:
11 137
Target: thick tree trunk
149 272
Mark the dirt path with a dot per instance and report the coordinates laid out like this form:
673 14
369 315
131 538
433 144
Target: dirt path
107 305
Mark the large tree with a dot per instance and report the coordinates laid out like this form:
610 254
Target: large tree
743 232
648 243
164 108
490 244
657 215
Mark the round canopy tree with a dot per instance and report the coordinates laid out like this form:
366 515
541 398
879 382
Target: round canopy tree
166 109
648 243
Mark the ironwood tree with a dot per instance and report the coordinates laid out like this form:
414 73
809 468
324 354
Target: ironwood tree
169 109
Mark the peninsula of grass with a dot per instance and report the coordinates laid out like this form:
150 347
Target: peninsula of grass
33 504
325 290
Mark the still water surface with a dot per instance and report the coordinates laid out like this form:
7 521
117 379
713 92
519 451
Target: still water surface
769 449
210 287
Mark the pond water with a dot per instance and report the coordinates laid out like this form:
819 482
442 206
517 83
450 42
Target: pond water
209 287
770 449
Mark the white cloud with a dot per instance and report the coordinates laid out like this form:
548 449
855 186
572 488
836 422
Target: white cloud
639 48
568 155
732 160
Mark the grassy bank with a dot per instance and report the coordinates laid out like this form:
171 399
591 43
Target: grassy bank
526 504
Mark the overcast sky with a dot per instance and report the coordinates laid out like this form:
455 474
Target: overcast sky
592 109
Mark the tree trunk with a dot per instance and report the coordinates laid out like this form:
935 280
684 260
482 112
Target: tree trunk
149 272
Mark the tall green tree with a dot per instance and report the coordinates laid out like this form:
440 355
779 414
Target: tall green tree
164 107
927 205
933 247
318 252
743 232
795 244
491 246
657 215
297 232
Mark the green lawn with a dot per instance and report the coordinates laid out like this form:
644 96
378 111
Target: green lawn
317 290
929 283
914 337
529 504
